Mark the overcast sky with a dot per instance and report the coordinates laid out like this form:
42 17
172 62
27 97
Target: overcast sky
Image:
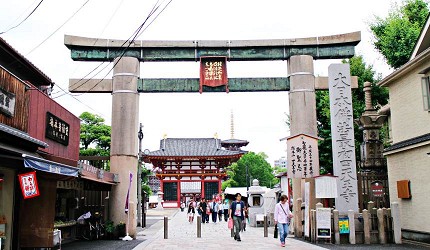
259 117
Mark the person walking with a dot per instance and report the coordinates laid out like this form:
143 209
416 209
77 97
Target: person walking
214 210
220 211
282 218
203 208
225 208
191 212
237 213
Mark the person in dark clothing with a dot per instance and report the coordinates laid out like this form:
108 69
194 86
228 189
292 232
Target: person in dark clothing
202 208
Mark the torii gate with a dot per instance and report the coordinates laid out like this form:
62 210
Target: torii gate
126 86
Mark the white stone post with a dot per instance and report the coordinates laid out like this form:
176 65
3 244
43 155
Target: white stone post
351 227
397 226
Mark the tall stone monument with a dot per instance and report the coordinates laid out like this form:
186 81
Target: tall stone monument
343 143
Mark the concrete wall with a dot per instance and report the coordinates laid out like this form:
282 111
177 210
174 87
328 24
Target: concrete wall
408 118
414 212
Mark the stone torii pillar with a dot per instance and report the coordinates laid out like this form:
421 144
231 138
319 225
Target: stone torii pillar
302 116
124 140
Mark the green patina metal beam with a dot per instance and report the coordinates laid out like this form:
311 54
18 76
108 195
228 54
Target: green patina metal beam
181 85
326 47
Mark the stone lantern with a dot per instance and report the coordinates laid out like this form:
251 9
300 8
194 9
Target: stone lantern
255 201
160 199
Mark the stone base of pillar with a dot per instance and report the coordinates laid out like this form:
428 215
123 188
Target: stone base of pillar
123 165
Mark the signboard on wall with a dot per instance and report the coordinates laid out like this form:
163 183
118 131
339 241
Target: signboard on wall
323 222
28 183
7 103
57 129
302 156
213 72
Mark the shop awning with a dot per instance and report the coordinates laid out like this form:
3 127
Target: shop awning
49 166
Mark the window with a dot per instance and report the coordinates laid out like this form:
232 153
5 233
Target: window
211 188
170 190
426 92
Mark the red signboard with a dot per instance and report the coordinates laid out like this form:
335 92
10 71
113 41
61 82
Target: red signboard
213 72
28 183
377 189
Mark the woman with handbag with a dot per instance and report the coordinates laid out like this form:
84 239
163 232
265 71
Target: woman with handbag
282 218
191 212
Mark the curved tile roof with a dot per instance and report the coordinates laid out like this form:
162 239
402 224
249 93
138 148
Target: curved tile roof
192 147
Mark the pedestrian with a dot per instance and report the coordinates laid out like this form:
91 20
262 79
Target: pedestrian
203 210
214 210
246 217
282 218
237 213
225 208
220 211
182 206
191 212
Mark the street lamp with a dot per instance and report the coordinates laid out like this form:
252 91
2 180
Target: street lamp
247 179
139 177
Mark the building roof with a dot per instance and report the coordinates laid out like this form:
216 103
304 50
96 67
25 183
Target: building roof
235 141
191 147
408 142
22 135
423 40
21 66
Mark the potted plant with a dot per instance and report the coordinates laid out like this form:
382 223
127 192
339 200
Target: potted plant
110 229
120 228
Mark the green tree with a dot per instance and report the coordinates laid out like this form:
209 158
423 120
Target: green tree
95 135
365 73
396 35
258 168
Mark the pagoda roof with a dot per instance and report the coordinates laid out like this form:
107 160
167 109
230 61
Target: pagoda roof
191 147
235 141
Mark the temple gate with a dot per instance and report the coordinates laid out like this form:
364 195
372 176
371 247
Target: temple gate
126 86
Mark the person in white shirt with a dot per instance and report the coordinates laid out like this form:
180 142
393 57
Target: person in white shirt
282 218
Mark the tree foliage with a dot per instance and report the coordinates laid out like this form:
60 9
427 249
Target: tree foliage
95 135
396 35
258 168
365 73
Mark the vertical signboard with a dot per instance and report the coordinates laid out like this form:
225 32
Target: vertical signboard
302 156
342 130
323 222
307 196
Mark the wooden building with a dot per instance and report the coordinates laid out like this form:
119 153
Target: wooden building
191 168
41 138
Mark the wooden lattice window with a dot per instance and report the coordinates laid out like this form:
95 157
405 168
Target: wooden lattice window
170 190
211 188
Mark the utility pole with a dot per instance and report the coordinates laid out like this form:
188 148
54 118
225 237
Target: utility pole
247 179
139 178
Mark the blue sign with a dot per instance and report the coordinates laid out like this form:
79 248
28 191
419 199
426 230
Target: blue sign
51 167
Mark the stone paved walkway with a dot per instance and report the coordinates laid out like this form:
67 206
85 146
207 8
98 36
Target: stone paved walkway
183 235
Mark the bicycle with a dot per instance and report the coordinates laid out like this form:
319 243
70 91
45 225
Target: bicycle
93 229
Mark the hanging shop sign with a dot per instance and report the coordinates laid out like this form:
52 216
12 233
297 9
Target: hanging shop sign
7 103
57 129
28 183
213 72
